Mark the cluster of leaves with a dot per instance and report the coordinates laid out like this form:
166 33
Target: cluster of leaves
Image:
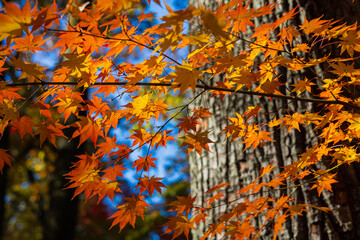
104 33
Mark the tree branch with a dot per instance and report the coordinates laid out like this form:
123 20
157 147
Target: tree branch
198 86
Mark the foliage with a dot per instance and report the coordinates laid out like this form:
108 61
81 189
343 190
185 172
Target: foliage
90 50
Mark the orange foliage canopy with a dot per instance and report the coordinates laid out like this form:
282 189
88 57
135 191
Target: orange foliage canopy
103 33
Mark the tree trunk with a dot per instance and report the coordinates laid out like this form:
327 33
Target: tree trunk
60 219
228 162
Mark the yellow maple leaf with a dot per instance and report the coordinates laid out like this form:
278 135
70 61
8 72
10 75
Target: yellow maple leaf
14 20
185 77
237 127
302 85
350 41
79 63
214 24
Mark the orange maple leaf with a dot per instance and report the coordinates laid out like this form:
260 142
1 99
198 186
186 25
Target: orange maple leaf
15 20
187 123
106 187
84 176
302 85
254 138
199 141
22 125
215 228
88 128
134 206
218 186
179 225
150 184
213 198
183 204
48 130
185 77
112 172
4 158
314 26
144 163
324 181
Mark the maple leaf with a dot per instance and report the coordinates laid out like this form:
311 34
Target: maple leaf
2 62
303 47
202 112
314 26
292 121
8 111
288 34
275 122
161 139
279 221
252 112
144 163
142 109
150 184
88 128
344 70
22 126
48 130
140 137
123 152
107 146
236 128
324 181
15 21
213 23
244 77
267 169
185 77
239 230
84 176
350 41
32 71
112 172
179 225
68 102
218 186
30 43
183 204
297 209
78 63
106 187
225 85
134 206
242 15
115 6
254 137
213 198
97 105
214 229
302 85
187 123
4 158
199 141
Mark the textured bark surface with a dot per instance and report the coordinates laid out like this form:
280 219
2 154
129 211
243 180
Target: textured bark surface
228 162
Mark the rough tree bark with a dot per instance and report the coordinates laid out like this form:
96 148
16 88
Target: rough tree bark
228 162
